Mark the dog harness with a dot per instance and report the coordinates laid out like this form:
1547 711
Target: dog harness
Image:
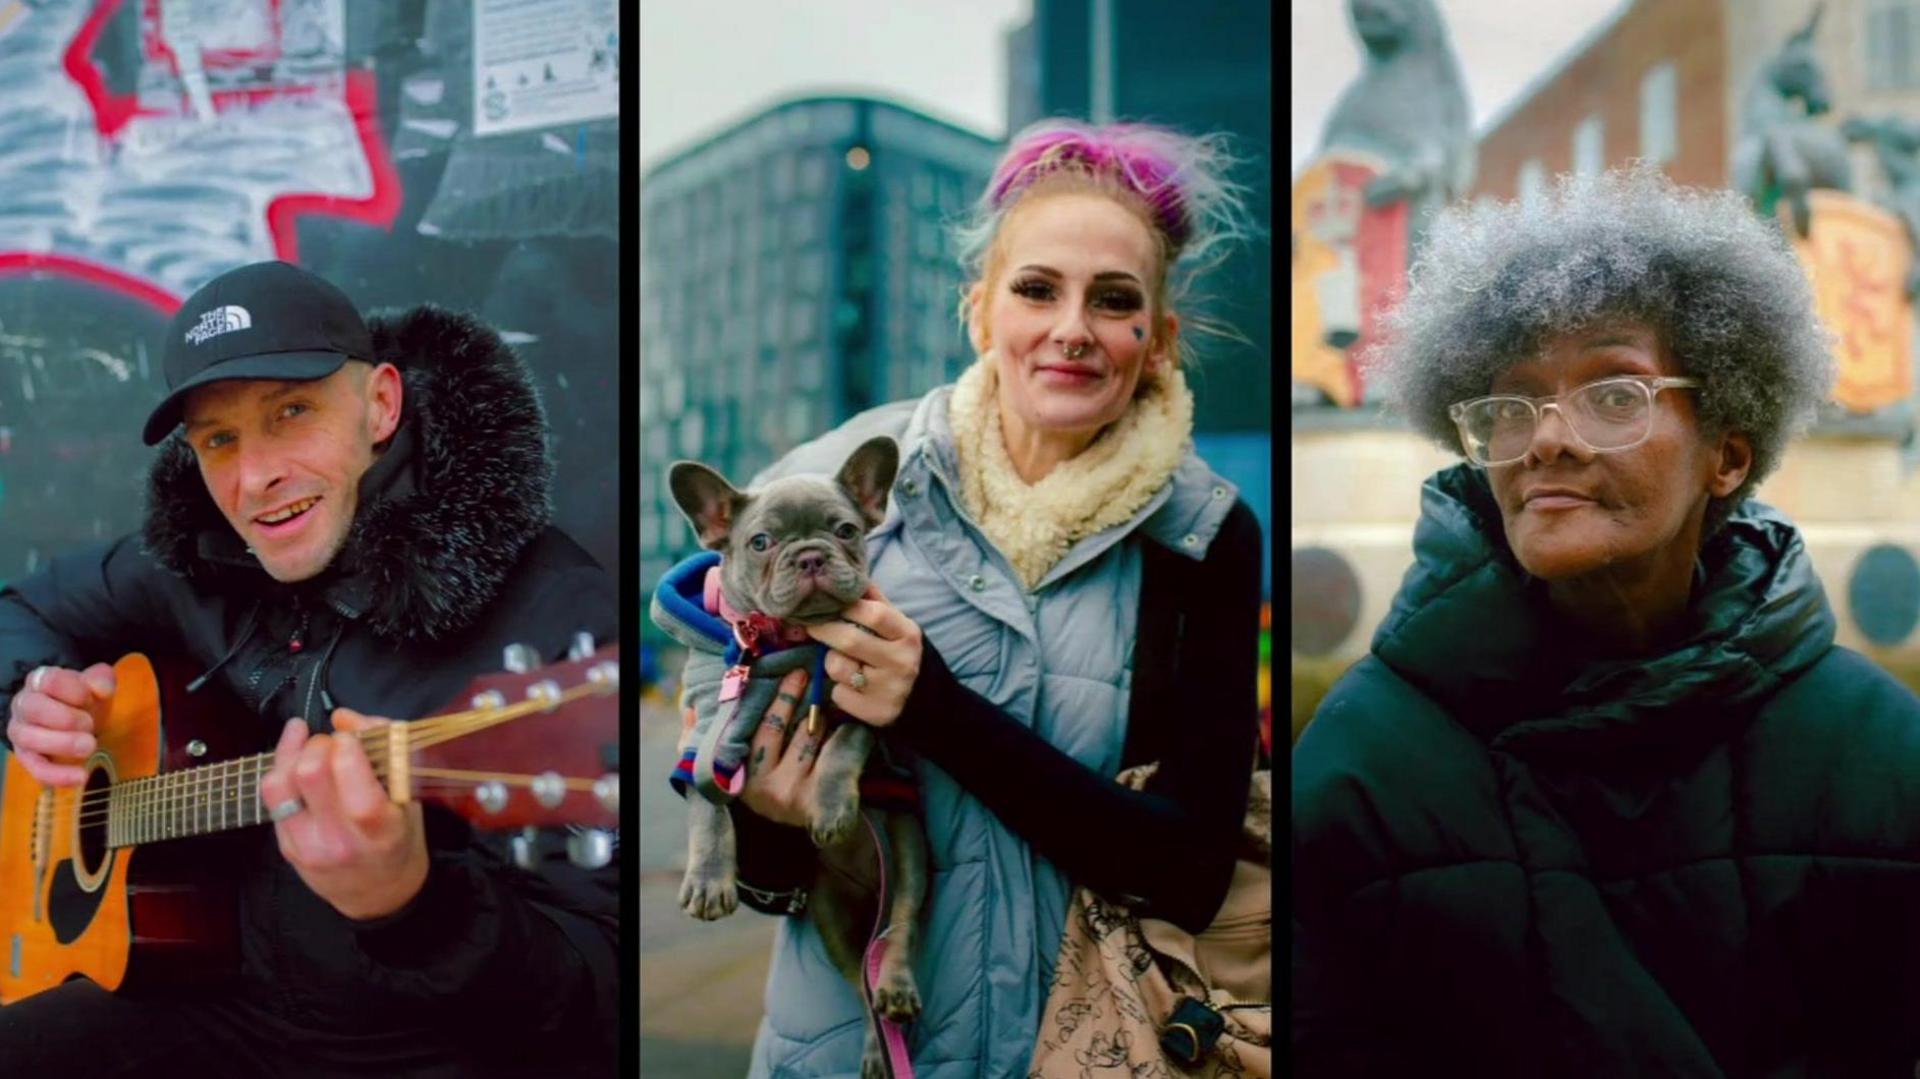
759 651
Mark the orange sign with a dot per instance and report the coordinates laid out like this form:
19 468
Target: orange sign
1857 257
1349 263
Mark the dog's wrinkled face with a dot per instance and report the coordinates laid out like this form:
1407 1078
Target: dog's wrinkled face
795 549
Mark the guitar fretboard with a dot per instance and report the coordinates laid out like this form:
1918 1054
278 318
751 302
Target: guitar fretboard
199 801
190 802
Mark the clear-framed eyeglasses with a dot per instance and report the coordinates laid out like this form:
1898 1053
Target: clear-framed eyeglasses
1607 415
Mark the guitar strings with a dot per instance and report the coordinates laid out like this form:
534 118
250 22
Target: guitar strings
176 791
207 789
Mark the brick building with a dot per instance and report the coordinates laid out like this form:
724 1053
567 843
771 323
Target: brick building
1663 80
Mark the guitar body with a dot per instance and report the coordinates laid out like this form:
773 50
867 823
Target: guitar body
148 901
70 906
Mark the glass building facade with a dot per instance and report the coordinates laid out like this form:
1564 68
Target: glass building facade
795 269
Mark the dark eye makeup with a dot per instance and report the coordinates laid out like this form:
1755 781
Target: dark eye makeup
1119 300
1033 288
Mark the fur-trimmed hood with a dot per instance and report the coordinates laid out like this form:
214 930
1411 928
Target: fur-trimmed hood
443 515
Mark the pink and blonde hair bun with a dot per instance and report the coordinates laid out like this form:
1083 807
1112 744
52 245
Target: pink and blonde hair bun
1181 180
1144 159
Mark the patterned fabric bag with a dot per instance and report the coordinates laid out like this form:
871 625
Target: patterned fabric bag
1139 998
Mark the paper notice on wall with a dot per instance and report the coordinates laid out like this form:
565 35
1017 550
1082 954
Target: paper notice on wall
538 63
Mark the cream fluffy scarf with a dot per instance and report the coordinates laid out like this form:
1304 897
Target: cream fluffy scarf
1035 524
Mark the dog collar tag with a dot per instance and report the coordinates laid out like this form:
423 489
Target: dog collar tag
733 683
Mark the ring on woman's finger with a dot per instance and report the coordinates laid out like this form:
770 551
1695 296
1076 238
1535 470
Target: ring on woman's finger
286 809
859 679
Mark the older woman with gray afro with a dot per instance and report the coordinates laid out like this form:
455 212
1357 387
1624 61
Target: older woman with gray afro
1605 798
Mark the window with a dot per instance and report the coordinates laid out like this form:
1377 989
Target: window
1532 183
781 177
1589 147
1659 114
693 434
813 175
1892 50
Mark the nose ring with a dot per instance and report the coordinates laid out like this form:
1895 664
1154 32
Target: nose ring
1074 352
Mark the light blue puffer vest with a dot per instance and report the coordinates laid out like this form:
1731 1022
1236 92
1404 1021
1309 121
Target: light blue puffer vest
1058 658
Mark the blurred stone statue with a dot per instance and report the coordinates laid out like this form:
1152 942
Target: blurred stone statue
1896 145
1398 146
1407 108
1782 151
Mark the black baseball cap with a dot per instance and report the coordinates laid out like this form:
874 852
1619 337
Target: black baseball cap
269 320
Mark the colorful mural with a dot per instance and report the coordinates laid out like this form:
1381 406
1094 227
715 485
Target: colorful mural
1857 258
1349 265
148 145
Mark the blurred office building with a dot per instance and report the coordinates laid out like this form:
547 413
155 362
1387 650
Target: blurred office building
795 269
1202 66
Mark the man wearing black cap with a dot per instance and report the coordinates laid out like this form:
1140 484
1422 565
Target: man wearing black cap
351 521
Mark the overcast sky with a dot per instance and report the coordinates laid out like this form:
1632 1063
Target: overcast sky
1502 47
707 63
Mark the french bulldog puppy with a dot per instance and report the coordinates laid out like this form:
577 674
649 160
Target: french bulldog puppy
795 549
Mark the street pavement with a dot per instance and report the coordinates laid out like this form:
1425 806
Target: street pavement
701 983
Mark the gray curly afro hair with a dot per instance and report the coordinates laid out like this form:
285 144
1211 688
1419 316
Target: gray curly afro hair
1716 283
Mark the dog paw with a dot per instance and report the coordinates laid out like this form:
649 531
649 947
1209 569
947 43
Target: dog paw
873 1061
834 818
897 997
708 899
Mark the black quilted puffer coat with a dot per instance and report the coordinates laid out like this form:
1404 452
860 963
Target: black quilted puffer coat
1513 859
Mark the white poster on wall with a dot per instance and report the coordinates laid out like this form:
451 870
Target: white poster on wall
537 63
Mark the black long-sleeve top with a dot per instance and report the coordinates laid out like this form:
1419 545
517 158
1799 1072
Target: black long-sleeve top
1167 851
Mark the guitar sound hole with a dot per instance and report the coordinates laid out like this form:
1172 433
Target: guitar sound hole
91 850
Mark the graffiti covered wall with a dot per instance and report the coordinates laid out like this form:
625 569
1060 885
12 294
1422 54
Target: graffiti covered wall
148 145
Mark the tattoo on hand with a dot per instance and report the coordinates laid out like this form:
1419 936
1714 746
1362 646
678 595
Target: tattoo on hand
790 699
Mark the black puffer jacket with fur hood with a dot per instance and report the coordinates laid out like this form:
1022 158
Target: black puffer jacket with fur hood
450 559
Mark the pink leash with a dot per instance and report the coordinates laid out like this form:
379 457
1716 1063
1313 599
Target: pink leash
893 1040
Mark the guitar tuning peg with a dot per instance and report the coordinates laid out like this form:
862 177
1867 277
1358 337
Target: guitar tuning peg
546 691
523 847
519 658
605 675
581 648
549 789
492 795
590 848
607 790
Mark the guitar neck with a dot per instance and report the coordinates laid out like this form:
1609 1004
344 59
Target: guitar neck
198 801
418 759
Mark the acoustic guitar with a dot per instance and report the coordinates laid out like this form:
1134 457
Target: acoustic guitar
91 884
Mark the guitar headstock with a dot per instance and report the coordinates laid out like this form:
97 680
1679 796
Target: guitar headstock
532 746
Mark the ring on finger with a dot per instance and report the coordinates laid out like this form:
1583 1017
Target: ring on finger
285 809
859 679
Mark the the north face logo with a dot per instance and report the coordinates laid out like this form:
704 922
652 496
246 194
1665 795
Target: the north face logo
218 321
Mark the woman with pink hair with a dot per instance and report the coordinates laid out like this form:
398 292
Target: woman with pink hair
1063 590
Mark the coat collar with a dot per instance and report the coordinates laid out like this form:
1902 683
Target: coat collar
1471 629
444 513
1184 516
